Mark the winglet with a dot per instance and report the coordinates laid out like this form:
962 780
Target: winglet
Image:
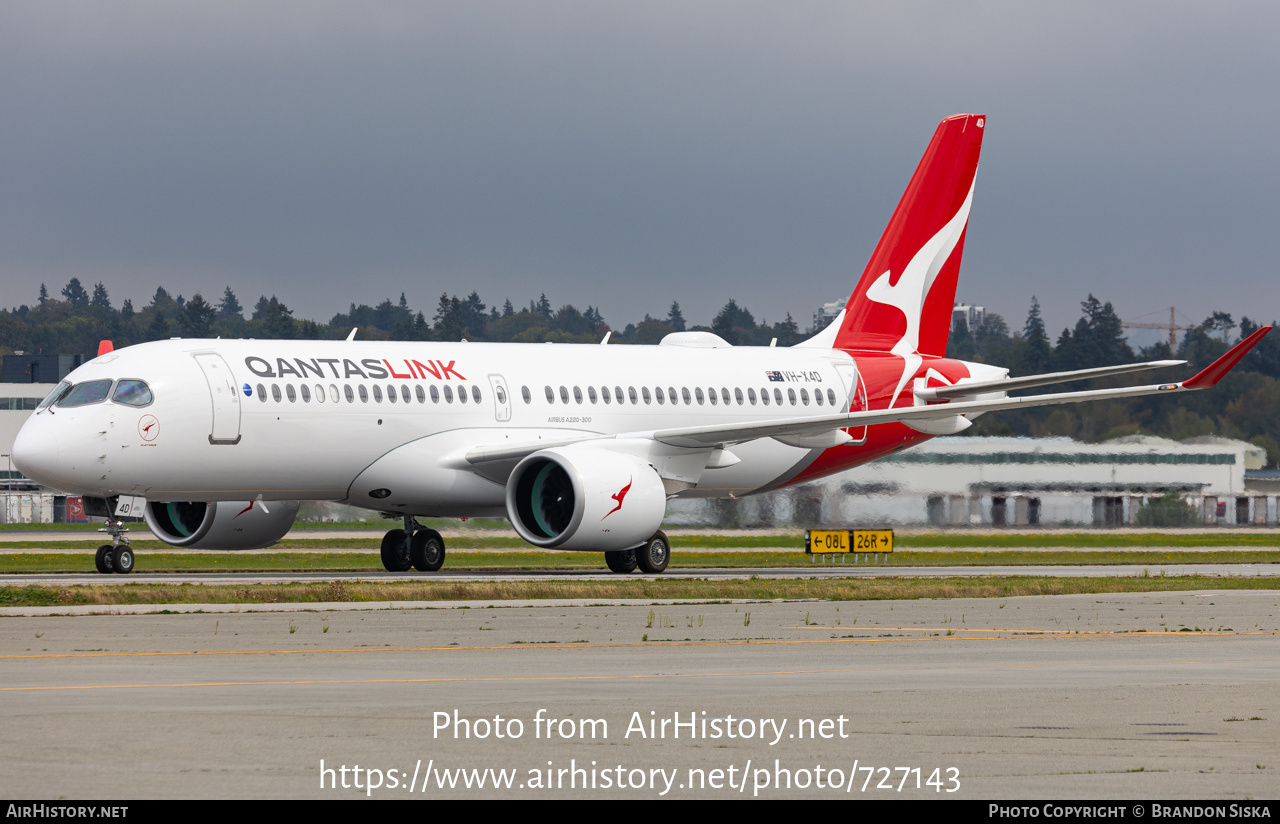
1215 371
104 347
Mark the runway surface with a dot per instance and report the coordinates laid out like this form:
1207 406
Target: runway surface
1157 695
836 571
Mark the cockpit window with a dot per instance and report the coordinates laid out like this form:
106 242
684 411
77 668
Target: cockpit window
57 393
83 394
132 393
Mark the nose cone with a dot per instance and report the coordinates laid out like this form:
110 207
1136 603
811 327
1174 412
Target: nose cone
35 452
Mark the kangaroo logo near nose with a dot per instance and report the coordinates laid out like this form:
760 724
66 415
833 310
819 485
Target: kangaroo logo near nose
148 427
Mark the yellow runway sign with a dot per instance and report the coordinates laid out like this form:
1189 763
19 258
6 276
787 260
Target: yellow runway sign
825 541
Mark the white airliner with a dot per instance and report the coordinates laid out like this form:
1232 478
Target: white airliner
580 446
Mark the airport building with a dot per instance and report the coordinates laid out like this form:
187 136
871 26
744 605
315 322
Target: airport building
1023 482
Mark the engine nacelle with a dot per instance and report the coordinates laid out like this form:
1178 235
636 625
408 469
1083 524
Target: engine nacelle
583 497
220 524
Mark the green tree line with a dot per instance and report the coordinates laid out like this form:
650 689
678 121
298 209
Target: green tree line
1245 405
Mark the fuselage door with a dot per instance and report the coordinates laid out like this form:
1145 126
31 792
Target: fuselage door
501 398
855 396
225 398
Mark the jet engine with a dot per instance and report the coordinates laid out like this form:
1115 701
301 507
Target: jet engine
220 524
587 498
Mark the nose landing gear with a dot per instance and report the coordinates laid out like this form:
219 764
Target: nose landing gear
116 556
415 547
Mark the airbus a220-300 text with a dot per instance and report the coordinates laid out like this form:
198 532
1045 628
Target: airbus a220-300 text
580 446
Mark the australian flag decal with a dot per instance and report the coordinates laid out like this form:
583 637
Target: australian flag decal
775 376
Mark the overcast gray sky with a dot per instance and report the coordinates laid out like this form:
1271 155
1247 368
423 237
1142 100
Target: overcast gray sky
627 154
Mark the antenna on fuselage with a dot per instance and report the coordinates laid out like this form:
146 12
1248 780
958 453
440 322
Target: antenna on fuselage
606 337
352 336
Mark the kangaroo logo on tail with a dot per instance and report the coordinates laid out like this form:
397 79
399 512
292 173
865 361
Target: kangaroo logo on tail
902 303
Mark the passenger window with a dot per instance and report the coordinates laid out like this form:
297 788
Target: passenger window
831 396
132 393
657 393
777 396
604 394
577 394
591 394
551 395
564 394
289 390
804 396
351 396
791 395
502 396
697 393
817 397
684 393
275 392
475 393
448 393
644 393
631 393
737 394
435 394
524 393
262 393
364 393
462 394
377 393
711 396
617 393
306 393
671 390
724 395
83 394
764 397
333 392
751 395
391 394
420 393
404 392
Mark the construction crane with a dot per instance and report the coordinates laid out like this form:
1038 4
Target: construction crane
1172 327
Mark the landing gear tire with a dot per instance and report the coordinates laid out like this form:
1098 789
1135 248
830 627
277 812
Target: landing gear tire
426 550
103 559
395 551
122 559
654 556
621 562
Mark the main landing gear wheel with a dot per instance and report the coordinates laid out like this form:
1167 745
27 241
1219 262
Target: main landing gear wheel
426 550
104 558
654 556
122 559
395 551
621 562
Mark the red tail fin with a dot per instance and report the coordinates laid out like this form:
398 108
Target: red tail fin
903 301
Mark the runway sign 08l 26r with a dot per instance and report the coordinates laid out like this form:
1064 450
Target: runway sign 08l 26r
826 541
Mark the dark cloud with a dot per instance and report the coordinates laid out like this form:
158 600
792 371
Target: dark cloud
625 155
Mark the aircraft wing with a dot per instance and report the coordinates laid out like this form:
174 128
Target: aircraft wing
723 435
719 435
1008 384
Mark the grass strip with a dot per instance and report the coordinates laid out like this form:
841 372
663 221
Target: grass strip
1261 539
168 562
658 589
